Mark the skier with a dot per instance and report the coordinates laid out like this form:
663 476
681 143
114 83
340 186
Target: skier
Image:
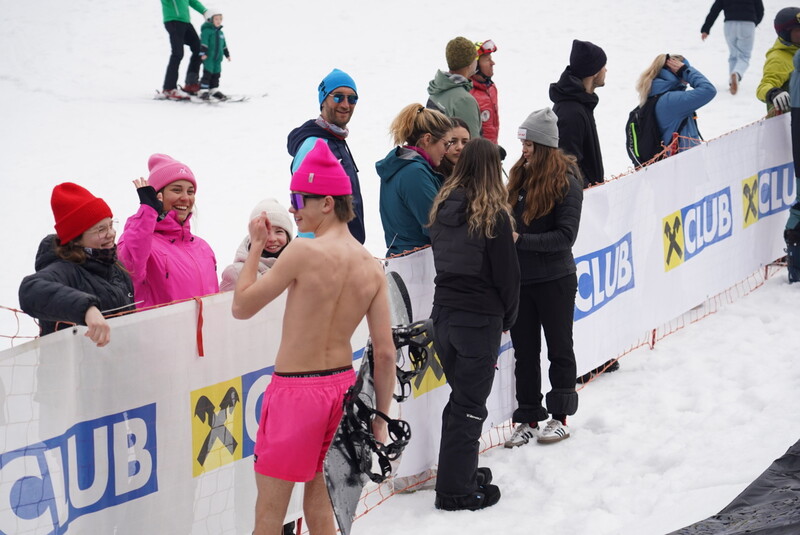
78 277
333 284
181 33
212 47
485 91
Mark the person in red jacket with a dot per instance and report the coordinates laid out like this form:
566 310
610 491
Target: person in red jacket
485 91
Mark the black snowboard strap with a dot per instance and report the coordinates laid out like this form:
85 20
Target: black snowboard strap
418 337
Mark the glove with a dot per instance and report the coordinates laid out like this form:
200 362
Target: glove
147 195
780 99
681 71
502 152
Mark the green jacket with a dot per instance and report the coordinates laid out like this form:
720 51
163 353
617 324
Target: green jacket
179 9
212 45
452 97
778 68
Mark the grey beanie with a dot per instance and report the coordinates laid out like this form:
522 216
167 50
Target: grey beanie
540 127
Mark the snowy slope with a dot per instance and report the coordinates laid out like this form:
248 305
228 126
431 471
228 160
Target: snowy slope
668 440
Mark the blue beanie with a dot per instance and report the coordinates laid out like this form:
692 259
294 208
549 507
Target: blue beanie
335 79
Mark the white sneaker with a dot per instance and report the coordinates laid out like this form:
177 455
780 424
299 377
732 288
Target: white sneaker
522 435
554 431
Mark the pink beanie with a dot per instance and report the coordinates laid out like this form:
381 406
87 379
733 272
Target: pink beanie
165 170
320 173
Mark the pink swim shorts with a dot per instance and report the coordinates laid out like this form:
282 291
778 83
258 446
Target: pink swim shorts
299 416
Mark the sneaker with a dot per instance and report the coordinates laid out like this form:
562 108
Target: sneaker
522 435
734 84
173 94
483 476
191 89
484 497
219 95
553 432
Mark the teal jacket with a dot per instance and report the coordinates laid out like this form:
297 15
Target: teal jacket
212 45
451 95
408 187
179 9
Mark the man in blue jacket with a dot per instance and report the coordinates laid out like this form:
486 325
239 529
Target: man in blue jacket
337 102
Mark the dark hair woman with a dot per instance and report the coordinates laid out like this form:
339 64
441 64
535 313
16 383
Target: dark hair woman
78 278
408 180
459 136
475 300
546 197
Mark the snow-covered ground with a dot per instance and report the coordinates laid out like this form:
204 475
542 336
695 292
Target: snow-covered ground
668 440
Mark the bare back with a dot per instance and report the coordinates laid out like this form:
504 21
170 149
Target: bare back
332 291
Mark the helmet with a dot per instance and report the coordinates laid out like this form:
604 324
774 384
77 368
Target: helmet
210 12
786 20
485 47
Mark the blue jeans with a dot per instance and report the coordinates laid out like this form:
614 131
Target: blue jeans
739 34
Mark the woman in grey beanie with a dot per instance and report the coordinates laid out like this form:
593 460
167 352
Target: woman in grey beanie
546 195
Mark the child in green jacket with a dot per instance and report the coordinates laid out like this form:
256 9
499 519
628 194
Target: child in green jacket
212 48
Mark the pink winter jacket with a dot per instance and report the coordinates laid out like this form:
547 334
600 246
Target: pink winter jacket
166 261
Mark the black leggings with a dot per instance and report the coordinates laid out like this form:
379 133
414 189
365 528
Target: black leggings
182 34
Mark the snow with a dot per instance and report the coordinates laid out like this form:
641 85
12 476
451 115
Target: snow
669 439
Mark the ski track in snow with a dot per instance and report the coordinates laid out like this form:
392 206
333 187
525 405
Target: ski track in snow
668 440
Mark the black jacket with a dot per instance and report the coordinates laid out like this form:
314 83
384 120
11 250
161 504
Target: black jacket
544 247
746 10
62 291
339 149
474 273
577 132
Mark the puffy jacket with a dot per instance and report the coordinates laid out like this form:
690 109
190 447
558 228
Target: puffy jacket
474 272
408 187
777 70
231 273
544 246
744 10
213 46
677 104
62 291
179 9
301 140
450 94
577 131
166 261
485 93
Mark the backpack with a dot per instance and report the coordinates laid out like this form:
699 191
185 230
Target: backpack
642 133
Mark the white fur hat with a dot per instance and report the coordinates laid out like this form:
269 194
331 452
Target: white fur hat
277 214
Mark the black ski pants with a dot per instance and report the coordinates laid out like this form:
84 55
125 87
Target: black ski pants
210 80
182 34
547 306
467 344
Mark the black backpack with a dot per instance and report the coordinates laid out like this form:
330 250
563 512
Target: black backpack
642 134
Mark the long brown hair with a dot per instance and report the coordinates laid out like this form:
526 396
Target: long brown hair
70 251
545 180
478 172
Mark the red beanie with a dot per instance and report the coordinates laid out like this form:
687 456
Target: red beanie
320 173
164 170
76 210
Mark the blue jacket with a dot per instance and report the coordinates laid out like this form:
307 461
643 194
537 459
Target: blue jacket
408 187
301 140
678 104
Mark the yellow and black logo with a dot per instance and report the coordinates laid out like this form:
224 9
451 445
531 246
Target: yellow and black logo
216 425
431 377
673 241
750 200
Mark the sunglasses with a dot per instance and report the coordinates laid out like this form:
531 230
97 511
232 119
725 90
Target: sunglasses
486 47
298 200
338 98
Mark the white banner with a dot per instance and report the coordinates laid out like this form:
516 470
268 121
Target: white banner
146 436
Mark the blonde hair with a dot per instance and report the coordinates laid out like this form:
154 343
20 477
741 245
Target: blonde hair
478 172
415 120
645 81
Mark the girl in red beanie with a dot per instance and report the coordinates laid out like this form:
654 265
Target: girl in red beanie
78 278
166 261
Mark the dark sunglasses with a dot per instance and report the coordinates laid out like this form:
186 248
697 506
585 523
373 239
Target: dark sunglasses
298 199
338 98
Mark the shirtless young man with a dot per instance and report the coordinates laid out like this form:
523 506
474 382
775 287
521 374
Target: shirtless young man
333 283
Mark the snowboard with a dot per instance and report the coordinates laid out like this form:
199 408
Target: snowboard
348 465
